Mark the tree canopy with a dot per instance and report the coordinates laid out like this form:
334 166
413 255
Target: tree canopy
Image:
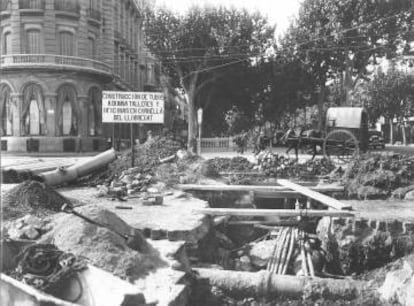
203 47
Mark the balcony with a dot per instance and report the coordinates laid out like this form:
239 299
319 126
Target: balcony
55 62
5 8
32 4
94 17
67 7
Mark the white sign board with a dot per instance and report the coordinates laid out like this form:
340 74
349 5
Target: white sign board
132 107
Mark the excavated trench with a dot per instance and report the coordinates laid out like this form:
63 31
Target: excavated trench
351 248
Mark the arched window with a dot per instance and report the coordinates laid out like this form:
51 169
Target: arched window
94 114
33 43
6 111
67 116
66 43
33 111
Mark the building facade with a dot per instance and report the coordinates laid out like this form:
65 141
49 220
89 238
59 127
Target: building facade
56 58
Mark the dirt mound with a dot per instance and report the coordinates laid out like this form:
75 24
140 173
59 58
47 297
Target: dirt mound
146 158
275 165
31 197
230 164
103 247
377 175
11 176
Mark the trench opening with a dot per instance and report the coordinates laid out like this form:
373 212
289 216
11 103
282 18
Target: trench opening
340 248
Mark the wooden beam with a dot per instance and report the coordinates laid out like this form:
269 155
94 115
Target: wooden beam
278 195
196 187
314 194
250 212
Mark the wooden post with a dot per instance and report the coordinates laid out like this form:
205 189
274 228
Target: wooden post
132 145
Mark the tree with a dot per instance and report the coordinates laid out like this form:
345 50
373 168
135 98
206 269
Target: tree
199 48
340 38
391 95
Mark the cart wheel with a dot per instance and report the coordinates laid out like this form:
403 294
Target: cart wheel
341 144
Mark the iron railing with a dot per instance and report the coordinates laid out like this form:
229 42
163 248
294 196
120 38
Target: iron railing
32 4
71 6
27 60
94 14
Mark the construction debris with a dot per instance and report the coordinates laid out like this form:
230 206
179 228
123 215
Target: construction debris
104 247
275 165
31 197
377 176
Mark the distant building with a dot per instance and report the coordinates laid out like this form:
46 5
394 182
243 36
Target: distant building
56 58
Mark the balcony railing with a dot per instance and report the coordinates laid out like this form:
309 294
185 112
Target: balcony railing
94 14
71 6
32 4
5 5
48 60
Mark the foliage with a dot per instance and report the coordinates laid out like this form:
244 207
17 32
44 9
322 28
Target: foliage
339 38
201 48
390 95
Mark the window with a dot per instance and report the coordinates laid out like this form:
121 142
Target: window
66 43
6 111
6 44
91 48
33 41
33 110
116 59
67 117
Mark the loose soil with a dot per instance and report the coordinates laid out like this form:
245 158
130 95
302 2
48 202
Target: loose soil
31 197
104 248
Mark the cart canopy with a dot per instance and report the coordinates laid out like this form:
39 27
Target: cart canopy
346 117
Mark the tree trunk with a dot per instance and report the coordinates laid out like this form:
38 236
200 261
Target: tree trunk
192 123
391 132
404 135
321 98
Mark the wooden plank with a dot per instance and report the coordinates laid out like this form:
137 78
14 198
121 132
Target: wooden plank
278 195
314 194
196 187
273 212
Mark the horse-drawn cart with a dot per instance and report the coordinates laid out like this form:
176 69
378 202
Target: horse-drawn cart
344 136
346 130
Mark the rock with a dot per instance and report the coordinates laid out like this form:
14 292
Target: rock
138 176
181 154
152 190
136 183
33 221
398 287
261 252
244 264
102 190
127 179
29 232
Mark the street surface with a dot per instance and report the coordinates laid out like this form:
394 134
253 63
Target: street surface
38 162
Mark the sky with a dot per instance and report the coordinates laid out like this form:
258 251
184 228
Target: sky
279 12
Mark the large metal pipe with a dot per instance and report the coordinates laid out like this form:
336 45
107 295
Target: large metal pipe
266 284
72 173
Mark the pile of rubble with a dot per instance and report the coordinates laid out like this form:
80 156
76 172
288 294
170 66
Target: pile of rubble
120 179
275 165
31 197
238 163
378 176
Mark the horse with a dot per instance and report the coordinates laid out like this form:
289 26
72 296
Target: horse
309 138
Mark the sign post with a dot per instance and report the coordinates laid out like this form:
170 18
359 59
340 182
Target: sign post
132 107
200 123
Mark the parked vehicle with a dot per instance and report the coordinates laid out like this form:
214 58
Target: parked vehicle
375 139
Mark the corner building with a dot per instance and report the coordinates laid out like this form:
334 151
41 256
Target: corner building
56 58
